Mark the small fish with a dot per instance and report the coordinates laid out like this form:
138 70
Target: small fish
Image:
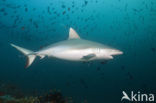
26 9
2 10
102 73
58 15
5 14
98 68
69 9
63 12
15 11
30 20
122 67
13 6
86 20
86 2
83 83
35 24
104 62
130 76
55 12
68 84
16 20
48 9
63 6
22 28
153 49
34 9
126 7
42 46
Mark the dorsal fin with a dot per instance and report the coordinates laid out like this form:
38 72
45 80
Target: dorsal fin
73 34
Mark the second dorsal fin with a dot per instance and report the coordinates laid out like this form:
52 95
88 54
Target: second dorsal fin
73 34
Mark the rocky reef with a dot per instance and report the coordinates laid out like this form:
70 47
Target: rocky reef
12 94
51 97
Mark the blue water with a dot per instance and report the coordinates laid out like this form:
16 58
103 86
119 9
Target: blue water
128 25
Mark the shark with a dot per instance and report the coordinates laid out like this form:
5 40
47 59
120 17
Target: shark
72 49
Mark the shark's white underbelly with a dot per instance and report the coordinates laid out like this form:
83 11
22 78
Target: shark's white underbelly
73 55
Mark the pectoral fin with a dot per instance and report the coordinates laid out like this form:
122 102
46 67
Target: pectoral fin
88 57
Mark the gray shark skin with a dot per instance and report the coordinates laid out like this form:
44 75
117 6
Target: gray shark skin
73 49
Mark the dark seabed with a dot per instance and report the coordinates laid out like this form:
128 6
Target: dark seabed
128 25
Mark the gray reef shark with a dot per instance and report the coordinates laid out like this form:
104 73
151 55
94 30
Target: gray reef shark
73 49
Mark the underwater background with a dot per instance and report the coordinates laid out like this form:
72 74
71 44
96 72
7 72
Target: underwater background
128 25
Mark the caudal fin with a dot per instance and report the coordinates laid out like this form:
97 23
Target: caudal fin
30 54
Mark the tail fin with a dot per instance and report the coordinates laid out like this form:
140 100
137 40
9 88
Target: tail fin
30 54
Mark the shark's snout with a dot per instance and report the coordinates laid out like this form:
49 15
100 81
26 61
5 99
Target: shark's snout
119 52
116 52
